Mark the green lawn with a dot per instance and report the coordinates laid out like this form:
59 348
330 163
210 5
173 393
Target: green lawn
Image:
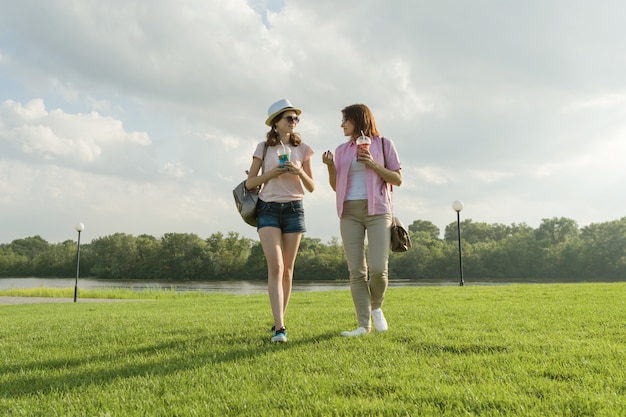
514 350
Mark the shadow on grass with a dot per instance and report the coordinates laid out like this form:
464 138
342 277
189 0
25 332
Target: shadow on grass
451 348
157 360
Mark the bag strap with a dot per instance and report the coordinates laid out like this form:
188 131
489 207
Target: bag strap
382 143
262 166
262 160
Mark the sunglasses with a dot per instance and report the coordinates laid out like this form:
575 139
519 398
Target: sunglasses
292 119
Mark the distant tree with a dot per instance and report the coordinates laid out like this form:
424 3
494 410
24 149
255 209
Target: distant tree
431 230
474 232
29 247
13 264
556 230
148 261
58 260
318 261
228 255
603 250
255 266
184 257
517 256
424 260
556 249
113 256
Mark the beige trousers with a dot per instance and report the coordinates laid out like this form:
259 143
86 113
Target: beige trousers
367 294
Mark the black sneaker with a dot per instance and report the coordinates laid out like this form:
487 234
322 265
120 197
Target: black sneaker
273 329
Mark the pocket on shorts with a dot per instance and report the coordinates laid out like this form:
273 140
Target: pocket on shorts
297 207
262 207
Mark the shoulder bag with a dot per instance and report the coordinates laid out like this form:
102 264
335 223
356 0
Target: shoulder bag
246 200
400 239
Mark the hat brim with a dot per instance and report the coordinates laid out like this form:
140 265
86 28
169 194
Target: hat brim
273 115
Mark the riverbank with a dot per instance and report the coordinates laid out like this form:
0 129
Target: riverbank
5 300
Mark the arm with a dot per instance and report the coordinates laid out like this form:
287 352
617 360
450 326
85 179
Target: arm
306 175
327 158
392 177
389 176
255 180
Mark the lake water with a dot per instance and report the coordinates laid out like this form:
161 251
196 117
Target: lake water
231 287
245 287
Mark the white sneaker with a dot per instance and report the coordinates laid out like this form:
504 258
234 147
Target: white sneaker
380 323
358 332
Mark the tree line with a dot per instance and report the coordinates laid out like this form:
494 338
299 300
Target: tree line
557 249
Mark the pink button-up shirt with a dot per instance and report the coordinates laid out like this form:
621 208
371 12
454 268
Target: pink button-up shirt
378 196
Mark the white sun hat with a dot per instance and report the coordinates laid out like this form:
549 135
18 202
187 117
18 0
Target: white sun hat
279 107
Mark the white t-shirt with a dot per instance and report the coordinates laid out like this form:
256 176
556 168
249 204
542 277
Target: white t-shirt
357 189
286 187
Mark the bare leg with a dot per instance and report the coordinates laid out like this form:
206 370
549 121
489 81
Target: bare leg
291 244
280 253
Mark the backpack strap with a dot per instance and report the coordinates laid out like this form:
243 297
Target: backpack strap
263 160
262 167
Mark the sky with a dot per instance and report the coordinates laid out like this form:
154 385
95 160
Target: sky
140 117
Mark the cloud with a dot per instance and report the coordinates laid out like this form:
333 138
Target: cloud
83 141
142 117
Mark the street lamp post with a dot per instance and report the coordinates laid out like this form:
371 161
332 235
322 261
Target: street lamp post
79 228
458 206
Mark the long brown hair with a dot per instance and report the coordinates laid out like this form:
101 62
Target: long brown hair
362 118
273 138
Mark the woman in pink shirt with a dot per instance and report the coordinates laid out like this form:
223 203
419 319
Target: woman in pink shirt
362 183
285 171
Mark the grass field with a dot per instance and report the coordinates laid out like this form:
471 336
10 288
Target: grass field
514 350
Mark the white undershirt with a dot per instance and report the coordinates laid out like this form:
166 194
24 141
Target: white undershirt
357 189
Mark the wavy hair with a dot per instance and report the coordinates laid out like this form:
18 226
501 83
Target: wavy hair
362 118
273 138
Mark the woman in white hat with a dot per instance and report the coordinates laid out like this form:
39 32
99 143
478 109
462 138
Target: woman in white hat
280 220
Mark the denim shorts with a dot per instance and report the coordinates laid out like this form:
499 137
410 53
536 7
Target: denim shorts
288 217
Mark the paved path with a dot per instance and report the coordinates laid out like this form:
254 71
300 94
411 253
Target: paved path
34 300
